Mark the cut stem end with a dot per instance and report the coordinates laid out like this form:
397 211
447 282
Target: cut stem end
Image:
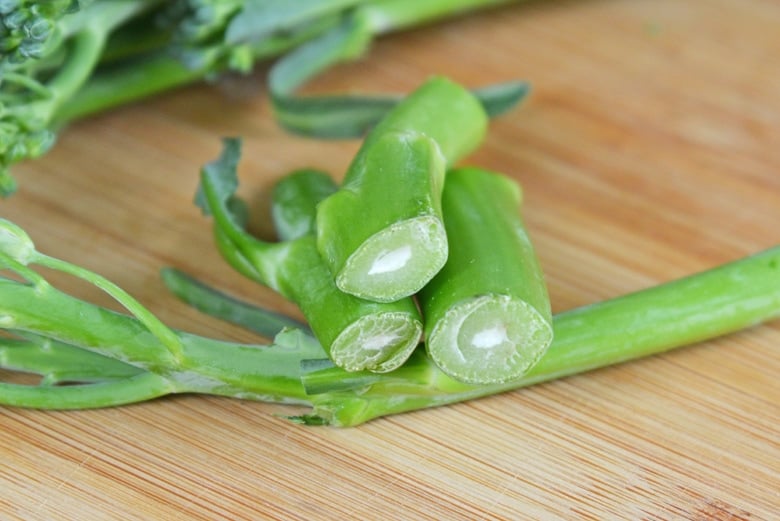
396 262
489 339
378 343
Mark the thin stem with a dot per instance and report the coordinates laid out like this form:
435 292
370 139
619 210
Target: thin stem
162 332
86 47
57 362
49 312
395 15
23 271
142 387
220 305
26 81
134 80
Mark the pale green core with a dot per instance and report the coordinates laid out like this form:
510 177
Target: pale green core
397 261
378 342
489 335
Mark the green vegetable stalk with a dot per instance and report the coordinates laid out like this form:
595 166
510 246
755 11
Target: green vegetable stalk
737 295
356 334
111 359
487 313
346 116
217 304
382 234
61 60
123 358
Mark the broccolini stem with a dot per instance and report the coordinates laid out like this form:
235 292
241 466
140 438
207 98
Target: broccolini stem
133 80
87 44
164 334
270 373
394 15
382 234
45 311
220 305
59 363
356 334
141 387
737 295
487 313
141 76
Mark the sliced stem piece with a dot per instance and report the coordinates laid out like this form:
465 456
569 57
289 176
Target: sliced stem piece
382 234
388 228
356 334
487 312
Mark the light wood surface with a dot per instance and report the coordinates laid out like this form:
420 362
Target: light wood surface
650 149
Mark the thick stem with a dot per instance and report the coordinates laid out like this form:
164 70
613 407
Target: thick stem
356 334
383 232
134 80
267 373
734 296
487 312
395 184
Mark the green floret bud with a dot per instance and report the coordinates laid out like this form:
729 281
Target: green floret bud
6 6
15 243
26 27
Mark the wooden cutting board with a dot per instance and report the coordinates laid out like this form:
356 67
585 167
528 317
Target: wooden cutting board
649 150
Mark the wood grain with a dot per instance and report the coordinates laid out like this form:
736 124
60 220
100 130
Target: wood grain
650 149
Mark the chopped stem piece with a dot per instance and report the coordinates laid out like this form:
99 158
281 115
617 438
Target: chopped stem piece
382 234
487 313
357 334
